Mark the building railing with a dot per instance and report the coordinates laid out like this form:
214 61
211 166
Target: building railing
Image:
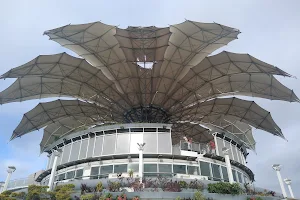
19 183
201 148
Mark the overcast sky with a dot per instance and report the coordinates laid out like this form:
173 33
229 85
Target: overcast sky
270 32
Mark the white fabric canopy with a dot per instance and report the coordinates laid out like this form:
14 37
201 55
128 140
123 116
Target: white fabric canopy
127 74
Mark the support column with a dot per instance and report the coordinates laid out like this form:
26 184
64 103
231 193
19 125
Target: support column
277 168
216 144
228 165
10 170
56 154
141 164
289 182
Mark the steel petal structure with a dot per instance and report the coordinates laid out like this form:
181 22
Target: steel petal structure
147 75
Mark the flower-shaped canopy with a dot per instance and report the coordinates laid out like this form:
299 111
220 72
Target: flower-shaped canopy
146 74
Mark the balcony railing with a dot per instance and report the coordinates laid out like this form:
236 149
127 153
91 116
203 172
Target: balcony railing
201 148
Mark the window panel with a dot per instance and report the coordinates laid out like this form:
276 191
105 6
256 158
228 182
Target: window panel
70 175
120 168
79 174
123 143
216 172
109 144
227 145
150 167
151 142
107 169
193 170
225 174
164 143
165 168
98 146
83 150
234 175
196 147
235 154
91 147
75 151
240 177
180 169
220 145
205 169
61 177
134 139
66 154
94 172
133 167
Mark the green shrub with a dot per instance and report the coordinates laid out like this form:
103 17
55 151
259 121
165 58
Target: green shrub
183 184
87 197
225 188
34 191
99 187
63 192
178 198
258 198
6 193
198 196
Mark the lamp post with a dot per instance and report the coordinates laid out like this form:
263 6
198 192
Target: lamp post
56 154
1 186
141 168
10 170
277 168
289 182
228 165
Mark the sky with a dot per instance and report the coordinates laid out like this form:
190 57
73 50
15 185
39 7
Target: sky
270 31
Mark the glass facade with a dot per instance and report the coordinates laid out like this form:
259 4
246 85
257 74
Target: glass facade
193 170
205 169
165 168
216 172
180 169
120 168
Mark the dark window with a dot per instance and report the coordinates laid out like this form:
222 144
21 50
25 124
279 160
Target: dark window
163 130
225 174
99 133
61 177
180 169
120 168
216 172
234 175
106 169
125 130
193 170
150 167
149 129
85 136
240 177
70 174
165 168
136 129
109 131
94 172
79 174
205 169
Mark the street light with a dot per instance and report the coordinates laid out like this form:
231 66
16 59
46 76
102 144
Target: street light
228 165
56 154
10 170
277 168
141 167
289 182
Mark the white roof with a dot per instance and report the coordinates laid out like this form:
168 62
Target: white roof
143 67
